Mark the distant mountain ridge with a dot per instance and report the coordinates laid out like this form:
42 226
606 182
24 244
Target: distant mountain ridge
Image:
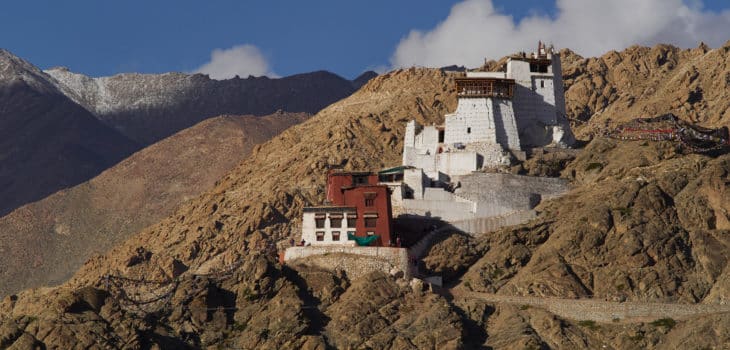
149 107
47 142
59 128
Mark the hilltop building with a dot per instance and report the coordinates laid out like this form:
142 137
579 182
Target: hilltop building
442 183
357 212
352 231
498 116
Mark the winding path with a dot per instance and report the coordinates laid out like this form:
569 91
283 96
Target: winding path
599 310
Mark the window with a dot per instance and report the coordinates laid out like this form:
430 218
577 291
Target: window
539 67
468 130
542 83
370 199
319 222
351 220
336 222
441 136
335 235
359 179
320 236
371 222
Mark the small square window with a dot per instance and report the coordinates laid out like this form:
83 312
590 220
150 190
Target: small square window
351 222
371 222
336 222
320 236
319 223
369 202
335 235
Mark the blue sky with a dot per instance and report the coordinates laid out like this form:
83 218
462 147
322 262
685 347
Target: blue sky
347 37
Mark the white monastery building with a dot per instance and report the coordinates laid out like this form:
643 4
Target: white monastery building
498 116
447 171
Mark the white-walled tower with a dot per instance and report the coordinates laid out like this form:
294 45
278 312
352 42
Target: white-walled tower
498 116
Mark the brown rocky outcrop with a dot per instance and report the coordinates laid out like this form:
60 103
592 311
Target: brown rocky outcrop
645 82
651 236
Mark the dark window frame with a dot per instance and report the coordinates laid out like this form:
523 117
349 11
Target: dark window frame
336 222
371 222
360 180
318 222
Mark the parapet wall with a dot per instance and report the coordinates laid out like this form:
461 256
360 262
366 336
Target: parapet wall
355 261
489 224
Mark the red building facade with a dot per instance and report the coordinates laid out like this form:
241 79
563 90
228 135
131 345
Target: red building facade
372 201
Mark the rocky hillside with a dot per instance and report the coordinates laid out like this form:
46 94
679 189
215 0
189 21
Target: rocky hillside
149 107
659 232
645 82
46 241
643 223
47 142
634 206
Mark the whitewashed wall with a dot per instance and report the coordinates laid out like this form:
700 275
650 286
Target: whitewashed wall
457 163
309 231
473 121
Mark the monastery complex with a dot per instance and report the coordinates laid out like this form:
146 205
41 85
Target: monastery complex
449 177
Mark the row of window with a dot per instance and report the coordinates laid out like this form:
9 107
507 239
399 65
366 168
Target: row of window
337 222
336 235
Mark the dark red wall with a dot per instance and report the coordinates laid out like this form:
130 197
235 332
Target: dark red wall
355 197
338 180
335 183
340 191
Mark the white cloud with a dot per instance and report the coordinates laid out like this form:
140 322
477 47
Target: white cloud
241 60
474 30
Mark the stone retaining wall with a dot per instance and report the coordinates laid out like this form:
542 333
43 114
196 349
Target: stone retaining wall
355 261
603 311
489 224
